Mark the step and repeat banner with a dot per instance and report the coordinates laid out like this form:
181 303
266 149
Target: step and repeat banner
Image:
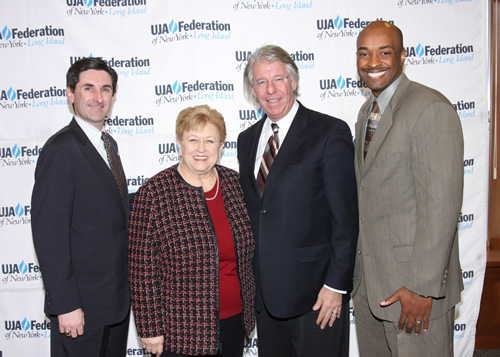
173 54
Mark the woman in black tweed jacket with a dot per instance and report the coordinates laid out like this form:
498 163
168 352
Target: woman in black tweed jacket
191 248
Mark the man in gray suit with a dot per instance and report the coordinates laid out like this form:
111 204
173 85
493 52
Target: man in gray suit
409 170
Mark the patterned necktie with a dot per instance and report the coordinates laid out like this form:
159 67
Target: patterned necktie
371 126
116 167
272 147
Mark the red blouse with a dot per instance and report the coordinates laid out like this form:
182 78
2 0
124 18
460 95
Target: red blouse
229 283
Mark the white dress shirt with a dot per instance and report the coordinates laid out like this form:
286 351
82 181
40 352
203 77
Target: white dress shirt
94 136
284 125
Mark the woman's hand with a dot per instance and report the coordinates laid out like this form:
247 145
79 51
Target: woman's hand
153 345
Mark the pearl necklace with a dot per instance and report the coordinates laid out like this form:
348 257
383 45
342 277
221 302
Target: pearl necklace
217 183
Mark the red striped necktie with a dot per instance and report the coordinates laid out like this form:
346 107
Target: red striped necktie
272 147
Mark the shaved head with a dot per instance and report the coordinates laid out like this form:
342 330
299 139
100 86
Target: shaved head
380 55
383 25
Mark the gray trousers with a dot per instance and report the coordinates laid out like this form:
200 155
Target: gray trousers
378 338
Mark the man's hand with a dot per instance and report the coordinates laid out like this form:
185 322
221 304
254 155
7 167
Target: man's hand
330 304
71 324
153 345
415 310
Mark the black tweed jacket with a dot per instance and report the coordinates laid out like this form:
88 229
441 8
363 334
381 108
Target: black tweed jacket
173 261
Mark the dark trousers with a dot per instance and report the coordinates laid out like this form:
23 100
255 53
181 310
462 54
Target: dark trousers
232 337
98 341
301 337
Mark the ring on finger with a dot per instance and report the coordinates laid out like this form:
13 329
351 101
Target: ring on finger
68 333
418 322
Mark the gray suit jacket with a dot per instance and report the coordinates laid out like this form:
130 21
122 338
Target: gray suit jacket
410 195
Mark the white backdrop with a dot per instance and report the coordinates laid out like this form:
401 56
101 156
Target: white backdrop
174 54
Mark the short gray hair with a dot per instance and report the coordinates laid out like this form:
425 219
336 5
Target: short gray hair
269 53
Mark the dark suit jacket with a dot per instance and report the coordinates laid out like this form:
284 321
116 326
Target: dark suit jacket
79 229
306 222
410 194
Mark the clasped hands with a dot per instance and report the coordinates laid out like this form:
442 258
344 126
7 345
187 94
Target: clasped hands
415 310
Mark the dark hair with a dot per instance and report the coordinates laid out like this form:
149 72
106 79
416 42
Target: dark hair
84 64
269 53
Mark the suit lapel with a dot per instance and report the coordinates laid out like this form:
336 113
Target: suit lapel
252 151
96 161
359 128
291 144
383 128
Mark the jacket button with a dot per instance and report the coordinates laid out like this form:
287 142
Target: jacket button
263 211
359 252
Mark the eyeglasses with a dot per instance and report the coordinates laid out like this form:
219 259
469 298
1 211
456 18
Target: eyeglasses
262 83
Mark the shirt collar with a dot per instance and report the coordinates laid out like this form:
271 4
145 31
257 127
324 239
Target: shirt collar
385 97
91 131
285 122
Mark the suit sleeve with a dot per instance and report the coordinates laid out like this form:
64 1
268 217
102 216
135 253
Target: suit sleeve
437 163
52 210
144 271
340 188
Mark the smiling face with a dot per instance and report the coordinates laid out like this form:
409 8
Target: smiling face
380 56
200 149
92 97
276 97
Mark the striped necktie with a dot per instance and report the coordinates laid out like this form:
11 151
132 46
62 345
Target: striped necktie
270 152
371 126
116 167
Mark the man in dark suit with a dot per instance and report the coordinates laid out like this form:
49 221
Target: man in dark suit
303 212
79 223
409 168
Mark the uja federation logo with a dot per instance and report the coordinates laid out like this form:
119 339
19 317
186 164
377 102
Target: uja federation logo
189 30
120 8
465 109
427 54
169 153
250 117
303 60
20 273
342 27
32 98
465 221
342 87
31 37
26 329
132 126
468 166
15 215
18 155
187 91
124 67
